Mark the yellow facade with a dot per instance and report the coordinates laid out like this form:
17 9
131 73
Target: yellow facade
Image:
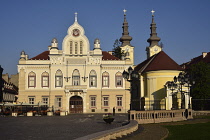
153 89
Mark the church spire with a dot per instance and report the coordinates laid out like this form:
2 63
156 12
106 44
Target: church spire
154 39
125 39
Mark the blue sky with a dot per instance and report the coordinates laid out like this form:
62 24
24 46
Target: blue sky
30 25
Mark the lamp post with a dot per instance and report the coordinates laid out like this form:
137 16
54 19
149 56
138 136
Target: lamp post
184 79
172 86
133 77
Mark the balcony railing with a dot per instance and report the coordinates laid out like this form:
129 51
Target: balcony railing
157 116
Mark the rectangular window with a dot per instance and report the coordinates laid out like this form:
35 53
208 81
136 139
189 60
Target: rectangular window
58 81
76 80
31 100
119 101
45 100
93 101
92 81
71 48
58 102
75 47
45 81
31 81
106 101
81 45
119 81
105 81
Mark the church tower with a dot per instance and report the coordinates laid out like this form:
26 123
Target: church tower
126 46
154 47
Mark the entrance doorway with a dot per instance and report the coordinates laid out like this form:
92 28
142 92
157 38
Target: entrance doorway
174 102
76 104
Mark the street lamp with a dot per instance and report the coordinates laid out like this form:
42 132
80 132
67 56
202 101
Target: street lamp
133 77
183 79
172 86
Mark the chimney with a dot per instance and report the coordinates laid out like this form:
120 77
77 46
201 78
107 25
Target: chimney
204 54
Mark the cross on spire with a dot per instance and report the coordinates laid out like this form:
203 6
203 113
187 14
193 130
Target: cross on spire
152 12
75 16
124 11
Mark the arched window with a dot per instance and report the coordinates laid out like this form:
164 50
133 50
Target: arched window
118 79
71 47
58 78
93 78
31 79
76 47
105 79
81 47
76 78
45 79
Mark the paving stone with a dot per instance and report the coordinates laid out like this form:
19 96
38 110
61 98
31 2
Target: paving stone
55 127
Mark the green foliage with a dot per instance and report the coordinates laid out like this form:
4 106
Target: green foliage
198 131
117 51
108 116
200 73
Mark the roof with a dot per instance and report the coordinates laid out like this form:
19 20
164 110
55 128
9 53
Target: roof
9 87
195 60
42 56
159 61
107 56
45 56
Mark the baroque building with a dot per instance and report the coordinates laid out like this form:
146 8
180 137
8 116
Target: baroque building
77 79
154 73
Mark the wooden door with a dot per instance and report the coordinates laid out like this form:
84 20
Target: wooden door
76 105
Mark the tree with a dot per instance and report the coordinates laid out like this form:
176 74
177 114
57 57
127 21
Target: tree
117 51
200 73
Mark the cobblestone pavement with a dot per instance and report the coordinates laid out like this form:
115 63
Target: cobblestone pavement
55 127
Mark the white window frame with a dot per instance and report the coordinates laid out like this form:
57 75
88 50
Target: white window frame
118 79
58 79
105 79
31 100
106 101
58 102
92 101
93 79
76 78
45 100
119 101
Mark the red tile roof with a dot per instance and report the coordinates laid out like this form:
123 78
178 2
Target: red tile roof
107 56
195 60
42 56
160 61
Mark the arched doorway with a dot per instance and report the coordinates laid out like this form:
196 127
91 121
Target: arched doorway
76 104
